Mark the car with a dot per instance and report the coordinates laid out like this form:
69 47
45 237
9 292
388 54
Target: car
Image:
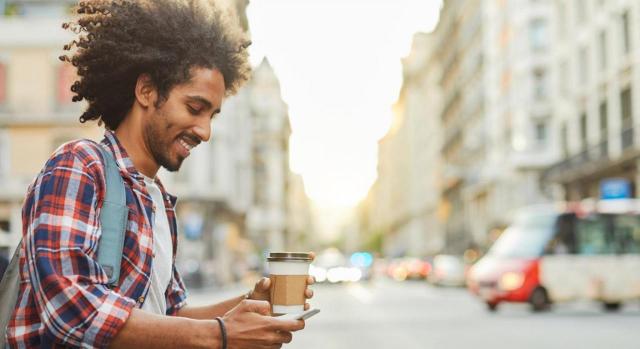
448 270
332 266
408 268
562 252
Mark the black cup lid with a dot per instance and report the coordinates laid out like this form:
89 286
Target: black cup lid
289 257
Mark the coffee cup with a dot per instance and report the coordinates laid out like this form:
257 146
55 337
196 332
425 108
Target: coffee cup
288 272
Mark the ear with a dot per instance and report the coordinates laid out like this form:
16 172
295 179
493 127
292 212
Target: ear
146 92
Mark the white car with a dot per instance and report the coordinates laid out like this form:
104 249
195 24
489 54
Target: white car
448 270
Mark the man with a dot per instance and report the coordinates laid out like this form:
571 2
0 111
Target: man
155 74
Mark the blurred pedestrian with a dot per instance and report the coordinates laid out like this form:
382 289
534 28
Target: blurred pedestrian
154 73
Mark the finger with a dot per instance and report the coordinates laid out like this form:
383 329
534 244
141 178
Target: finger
282 337
264 284
307 306
313 255
287 337
260 307
311 280
308 293
288 325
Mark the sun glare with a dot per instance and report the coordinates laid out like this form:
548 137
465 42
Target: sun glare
339 67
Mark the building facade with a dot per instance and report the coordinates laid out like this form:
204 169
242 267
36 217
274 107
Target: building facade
402 205
36 112
496 81
595 110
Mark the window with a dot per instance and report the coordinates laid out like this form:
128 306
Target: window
626 236
539 84
626 34
583 130
564 240
584 65
5 225
541 133
604 122
593 235
538 35
625 107
602 43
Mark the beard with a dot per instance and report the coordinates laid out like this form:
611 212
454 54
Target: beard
156 136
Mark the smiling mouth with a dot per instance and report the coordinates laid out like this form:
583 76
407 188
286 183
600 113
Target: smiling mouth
188 143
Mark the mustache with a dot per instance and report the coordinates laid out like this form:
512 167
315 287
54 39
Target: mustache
194 139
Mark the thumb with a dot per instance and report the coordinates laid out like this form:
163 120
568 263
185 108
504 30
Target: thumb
260 307
265 283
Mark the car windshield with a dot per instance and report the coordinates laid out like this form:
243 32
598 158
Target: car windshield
527 237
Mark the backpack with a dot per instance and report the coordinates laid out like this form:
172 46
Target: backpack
113 220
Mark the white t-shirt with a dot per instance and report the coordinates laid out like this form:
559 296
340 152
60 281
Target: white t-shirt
162 266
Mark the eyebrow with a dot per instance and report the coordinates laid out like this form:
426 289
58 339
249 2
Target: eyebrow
202 100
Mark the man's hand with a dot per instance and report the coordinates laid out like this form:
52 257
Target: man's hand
261 289
250 325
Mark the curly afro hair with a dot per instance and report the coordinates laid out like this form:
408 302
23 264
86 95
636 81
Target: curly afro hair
120 40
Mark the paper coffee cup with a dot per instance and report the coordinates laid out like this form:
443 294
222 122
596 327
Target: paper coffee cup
288 272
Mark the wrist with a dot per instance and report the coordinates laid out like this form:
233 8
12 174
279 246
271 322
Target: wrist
223 333
210 335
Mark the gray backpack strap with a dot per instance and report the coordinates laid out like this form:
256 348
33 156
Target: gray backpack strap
9 289
113 220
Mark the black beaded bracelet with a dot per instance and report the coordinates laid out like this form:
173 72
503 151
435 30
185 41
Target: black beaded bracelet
223 332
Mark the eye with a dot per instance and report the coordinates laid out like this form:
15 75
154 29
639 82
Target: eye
193 111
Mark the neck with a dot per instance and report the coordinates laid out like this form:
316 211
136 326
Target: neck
130 135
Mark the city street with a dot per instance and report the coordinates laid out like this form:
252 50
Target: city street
386 314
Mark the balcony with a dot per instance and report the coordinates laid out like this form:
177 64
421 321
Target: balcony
594 160
11 119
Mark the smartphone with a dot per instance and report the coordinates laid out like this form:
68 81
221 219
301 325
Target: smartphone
300 316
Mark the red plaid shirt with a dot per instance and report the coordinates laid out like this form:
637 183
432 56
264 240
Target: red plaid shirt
64 299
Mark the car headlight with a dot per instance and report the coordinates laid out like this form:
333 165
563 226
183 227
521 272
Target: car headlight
511 281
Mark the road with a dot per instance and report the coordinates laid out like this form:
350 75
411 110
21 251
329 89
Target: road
388 314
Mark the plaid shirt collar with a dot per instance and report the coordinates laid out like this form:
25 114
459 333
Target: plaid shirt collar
126 165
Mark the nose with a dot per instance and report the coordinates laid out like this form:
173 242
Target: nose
203 130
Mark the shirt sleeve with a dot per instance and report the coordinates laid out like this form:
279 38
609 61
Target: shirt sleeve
70 287
176 293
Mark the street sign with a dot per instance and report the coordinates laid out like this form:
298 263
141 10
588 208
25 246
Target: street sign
615 188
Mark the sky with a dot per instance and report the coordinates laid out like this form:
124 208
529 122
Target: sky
340 72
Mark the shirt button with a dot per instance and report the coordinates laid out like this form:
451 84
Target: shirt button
141 299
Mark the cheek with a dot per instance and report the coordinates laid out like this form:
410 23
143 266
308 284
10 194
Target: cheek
165 118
